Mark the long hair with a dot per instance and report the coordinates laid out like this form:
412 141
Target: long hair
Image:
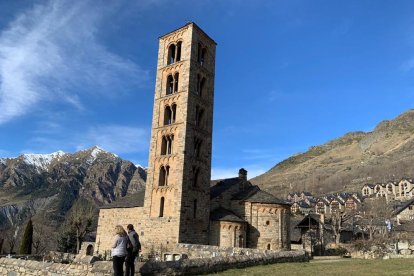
120 230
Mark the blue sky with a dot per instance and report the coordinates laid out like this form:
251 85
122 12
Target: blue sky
289 74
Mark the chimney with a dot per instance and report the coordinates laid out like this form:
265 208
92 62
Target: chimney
243 174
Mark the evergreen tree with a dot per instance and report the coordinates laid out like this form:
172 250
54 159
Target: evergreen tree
27 241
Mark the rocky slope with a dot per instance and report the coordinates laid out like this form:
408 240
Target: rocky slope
346 163
45 187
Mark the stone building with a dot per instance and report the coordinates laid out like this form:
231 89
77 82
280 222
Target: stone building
179 205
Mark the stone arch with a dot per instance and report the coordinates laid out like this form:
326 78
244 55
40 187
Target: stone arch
89 250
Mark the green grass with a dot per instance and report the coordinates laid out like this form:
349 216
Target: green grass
342 267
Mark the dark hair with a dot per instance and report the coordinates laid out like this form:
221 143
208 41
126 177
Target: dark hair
130 227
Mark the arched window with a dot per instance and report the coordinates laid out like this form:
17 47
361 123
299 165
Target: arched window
197 147
164 173
170 85
203 56
168 116
195 208
176 82
178 56
167 145
199 116
202 84
268 246
199 49
162 200
171 54
196 173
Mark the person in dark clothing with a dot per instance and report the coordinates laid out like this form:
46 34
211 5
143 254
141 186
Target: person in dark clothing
132 251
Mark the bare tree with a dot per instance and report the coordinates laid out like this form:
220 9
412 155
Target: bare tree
10 238
81 218
336 220
375 212
41 240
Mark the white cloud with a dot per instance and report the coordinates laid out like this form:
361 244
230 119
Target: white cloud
51 53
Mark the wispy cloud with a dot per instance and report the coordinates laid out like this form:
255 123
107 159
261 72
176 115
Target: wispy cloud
51 53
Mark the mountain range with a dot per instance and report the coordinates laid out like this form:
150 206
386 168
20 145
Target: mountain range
348 162
44 187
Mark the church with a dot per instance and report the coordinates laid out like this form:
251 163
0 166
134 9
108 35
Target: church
180 203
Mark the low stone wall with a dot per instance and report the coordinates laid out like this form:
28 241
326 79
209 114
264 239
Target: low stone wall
197 251
16 267
217 264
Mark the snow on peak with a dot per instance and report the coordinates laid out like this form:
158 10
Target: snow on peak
42 160
95 152
3 161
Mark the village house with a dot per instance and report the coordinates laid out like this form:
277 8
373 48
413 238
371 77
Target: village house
392 190
404 213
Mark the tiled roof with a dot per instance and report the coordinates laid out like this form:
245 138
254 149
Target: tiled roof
129 201
255 195
222 214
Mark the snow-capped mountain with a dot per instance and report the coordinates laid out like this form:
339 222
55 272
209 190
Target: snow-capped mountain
47 185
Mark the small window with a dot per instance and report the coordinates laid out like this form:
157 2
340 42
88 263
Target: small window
267 223
195 208
164 173
199 116
162 207
168 116
197 147
196 173
268 246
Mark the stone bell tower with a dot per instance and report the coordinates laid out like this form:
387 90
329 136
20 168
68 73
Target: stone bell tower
177 196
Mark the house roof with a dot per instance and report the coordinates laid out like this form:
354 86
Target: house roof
222 214
406 227
303 204
369 185
255 195
403 206
128 201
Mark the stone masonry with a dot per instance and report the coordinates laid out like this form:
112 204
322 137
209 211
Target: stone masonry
180 203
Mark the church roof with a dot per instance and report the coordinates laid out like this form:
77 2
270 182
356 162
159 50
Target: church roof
128 201
220 186
222 214
256 195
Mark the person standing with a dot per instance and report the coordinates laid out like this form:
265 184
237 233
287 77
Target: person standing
119 250
133 251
